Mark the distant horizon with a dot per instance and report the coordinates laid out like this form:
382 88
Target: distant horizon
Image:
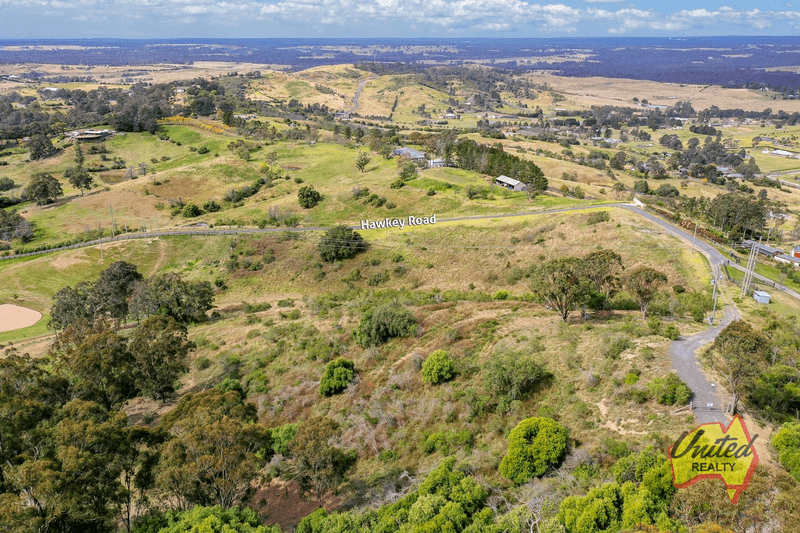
733 61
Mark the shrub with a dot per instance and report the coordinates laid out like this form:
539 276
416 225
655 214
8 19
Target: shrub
212 206
632 376
511 375
615 346
672 333
438 368
202 150
398 184
534 446
379 325
281 437
339 243
670 390
230 384
596 218
191 211
308 196
337 376
6 184
787 442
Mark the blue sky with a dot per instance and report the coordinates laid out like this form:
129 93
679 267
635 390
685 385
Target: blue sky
37 19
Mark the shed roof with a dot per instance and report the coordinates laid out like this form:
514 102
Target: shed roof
508 181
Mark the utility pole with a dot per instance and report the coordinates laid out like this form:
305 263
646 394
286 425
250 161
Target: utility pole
751 265
715 281
694 236
113 225
158 232
102 255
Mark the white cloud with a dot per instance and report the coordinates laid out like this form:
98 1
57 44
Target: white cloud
464 16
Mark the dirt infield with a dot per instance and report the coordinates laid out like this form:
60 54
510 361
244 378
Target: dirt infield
15 317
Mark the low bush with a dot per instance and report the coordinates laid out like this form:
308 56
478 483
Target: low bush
596 218
534 446
670 390
614 346
337 376
191 211
379 325
438 368
787 442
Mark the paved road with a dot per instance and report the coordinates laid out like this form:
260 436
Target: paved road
361 84
709 406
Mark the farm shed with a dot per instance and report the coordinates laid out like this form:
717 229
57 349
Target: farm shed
510 183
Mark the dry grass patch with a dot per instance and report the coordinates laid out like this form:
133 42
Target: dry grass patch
620 92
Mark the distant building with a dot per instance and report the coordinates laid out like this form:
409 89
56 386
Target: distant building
510 183
436 163
763 249
761 297
796 251
410 153
788 259
342 116
89 135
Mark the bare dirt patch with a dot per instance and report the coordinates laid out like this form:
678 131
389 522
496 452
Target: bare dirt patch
282 503
15 317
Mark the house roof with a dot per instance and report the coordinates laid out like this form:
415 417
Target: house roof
409 152
788 258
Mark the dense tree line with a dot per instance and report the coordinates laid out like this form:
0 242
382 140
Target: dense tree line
494 161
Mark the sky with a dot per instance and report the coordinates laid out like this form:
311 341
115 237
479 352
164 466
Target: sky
148 19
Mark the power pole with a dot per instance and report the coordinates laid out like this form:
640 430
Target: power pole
158 231
694 236
102 255
751 265
113 225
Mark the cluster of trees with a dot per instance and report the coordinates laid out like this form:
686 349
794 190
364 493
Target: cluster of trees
70 460
120 292
494 161
569 283
735 213
759 366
